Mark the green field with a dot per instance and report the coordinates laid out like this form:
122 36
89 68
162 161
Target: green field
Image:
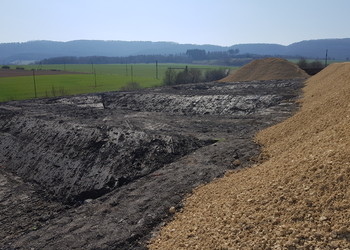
96 78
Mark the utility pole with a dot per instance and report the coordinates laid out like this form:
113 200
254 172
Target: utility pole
169 75
40 66
326 60
34 83
156 69
132 74
126 69
95 78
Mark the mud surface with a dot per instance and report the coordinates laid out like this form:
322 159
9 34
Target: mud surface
103 170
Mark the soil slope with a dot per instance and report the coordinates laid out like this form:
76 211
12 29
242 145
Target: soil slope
267 69
299 198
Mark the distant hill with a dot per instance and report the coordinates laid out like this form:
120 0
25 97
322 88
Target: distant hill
260 49
38 50
338 49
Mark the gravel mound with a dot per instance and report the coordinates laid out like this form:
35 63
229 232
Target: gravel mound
267 69
298 198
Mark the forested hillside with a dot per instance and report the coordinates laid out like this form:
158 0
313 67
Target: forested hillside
27 52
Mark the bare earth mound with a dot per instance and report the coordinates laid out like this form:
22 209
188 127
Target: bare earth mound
266 69
299 198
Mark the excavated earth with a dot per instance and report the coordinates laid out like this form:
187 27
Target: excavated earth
105 171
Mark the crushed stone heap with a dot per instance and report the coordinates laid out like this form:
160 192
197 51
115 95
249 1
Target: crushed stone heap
298 198
266 69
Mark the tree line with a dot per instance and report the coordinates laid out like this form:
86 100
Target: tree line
192 75
311 67
117 60
229 58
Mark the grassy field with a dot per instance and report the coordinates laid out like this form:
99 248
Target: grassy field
95 78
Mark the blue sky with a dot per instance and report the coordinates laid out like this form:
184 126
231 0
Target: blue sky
219 22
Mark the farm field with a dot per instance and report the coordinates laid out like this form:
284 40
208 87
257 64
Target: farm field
93 78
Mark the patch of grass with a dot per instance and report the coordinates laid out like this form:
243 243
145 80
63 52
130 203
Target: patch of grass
219 139
20 88
109 77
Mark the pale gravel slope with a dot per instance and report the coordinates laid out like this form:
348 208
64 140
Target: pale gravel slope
298 198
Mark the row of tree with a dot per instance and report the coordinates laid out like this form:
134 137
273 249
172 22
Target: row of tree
192 75
311 67
117 60
192 55
201 54
305 64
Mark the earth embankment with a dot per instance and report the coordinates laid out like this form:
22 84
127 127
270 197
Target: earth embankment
299 198
109 166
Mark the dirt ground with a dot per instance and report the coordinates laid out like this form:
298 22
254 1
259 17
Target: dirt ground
106 171
20 72
298 198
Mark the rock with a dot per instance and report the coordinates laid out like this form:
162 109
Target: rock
236 162
308 203
172 210
323 218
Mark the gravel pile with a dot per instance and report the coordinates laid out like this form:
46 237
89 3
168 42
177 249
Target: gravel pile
267 69
297 198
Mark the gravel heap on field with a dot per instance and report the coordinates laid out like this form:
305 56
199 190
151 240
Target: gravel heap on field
298 198
266 69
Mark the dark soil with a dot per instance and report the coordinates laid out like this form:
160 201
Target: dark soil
101 171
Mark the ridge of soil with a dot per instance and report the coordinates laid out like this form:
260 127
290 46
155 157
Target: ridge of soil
266 69
106 170
299 198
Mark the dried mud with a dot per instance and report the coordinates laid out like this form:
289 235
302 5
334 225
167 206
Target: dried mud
106 170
